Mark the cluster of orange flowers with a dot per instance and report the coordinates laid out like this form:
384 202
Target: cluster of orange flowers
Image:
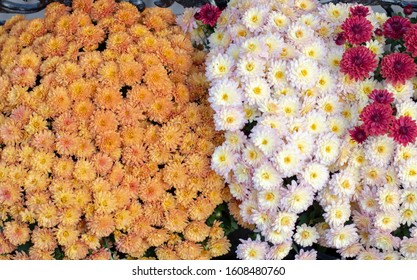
105 137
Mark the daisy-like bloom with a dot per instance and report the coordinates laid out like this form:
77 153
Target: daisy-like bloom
379 150
409 198
342 237
229 118
408 247
397 68
223 160
357 29
278 21
297 198
305 235
309 255
288 160
388 221
303 73
266 139
388 198
408 216
408 174
335 13
209 14
254 18
17 233
407 108
377 118
369 254
220 66
266 177
316 123
358 62
358 134
328 149
249 67
225 93
279 251
256 91
404 130
316 175
300 34
252 249
284 221
410 40
395 27
269 199
381 96
337 214
384 240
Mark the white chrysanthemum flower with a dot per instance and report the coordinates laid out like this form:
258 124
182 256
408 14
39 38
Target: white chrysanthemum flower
253 155
379 150
407 109
289 106
337 125
304 143
250 67
235 140
391 177
381 18
279 251
233 51
239 191
277 73
223 160
257 90
376 47
344 183
305 5
368 200
388 221
310 20
273 43
329 105
254 46
285 221
252 250
369 254
297 198
288 160
328 148
303 73
247 207
276 236
239 32
326 84
187 21
337 214
342 237
335 13
350 113
409 247
384 240
242 173
269 107
229 118
326 197
388 198
266 177
316 175
219 67
269 199
408 174
408 216
277 123
251 112
266 139
315 50
391 255
357 157
254 18
401 92
225 93
404 154
373 175
300 34
351 251
261 219
278 21
364 89
315 123
334 57
305 235
288 51
309 255
219 39
409 198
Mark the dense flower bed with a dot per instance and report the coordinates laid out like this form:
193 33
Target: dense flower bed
105 137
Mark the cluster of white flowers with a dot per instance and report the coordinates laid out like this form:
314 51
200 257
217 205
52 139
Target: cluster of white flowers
273 67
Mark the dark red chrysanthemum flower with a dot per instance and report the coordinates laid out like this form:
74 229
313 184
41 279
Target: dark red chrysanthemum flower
397 68
377 118
395 27
382 96
379 32
209 14
410 40
358 134
408 10
359 10
358 63
357 30
340 39
404 130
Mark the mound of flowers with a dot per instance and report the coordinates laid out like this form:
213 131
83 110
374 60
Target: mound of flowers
105 137
277 92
